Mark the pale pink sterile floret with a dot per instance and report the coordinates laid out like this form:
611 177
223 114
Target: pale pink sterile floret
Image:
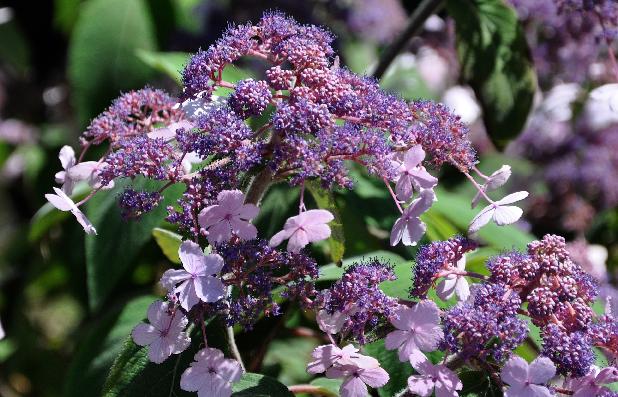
496 179
230 216
412 175
455 284
409 228
165 334
500 212
211 374
356 380
527 380
418 328
73 172
64 203
593 383
199 280
327 356
432 377
304 228
331 323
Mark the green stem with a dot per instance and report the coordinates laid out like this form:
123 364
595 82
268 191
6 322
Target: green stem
415 24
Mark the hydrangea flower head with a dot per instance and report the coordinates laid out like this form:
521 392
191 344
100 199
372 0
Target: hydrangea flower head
64 203
230 216
165 334
307 227
527 380
199 280
418 328
430 377
211 374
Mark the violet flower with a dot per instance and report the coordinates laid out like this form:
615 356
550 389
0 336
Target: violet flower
409 228
64 203
430 377
592 383
455 284
527 380
327 356
496 179
501 213
304 228
356 380
211 374
229 216
412 174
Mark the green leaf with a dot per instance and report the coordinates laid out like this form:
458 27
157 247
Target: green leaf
256 385
328 387
457 210
100 345
325 199
168 63
496 62
102 60
288 359
169 243
398 372
111 253
478 384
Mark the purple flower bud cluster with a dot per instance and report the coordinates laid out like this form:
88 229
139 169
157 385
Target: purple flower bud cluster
604 11
255 269
487 325
134 113
570 351
133 204
358 296
434 257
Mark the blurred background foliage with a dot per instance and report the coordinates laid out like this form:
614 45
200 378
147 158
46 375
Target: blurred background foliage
68 302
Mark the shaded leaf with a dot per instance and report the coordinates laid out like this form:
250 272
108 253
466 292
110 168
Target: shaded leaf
328 387
478 384
496 62
168 63
256 385
169 242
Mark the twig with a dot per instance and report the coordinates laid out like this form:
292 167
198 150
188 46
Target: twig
415 24
308 389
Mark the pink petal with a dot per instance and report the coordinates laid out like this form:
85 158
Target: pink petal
230 370
331 323
421 364
404 188
191 256
179 323
425 312
427 337
353 387
413 157
67 157
403 318
157 315
448 380
186 294
446 288
539 391
413 232
498 178
512 198
60 200
481 219
408 348
421 204
60 176
586 390
315 217
171 277
397 231
82 171
505 215
395 339
542 369
159 350
518 390
607 375
374 377
211 216
82 220
476 199
462 289
220 232
243 229
209 289
144 334
421 384
298 240
231 200
180 342
323 358
279 237
248 212
423 179
213 263
193 379
317 232
515 371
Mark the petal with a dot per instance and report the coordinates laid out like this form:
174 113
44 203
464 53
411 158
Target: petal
395 339
193 379
518 390
448 380
60 177
82 171
481 219
2 333
403 187
159 351
211 216
421 204
331 323
421 364
397 231
540 391
513 198
67 157
315 217
186 294
59 202
209 289
505 215
157 314
607 375
230 370
165 133
542 369
462 289
317 232
403 318
413 157
248 211
427 337
353 387
192 257
421 384
213 263
231 200
374 377
446 288
498 178
179 322
171 277
408 348
423 179
425 312
298 241
243 229
144 334
220 232
515 371
82 220
413 232
476 199
279 237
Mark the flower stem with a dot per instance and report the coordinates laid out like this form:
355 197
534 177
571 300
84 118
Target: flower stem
308 389
424 10
259 185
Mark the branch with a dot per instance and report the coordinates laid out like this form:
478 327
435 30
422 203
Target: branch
415 24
